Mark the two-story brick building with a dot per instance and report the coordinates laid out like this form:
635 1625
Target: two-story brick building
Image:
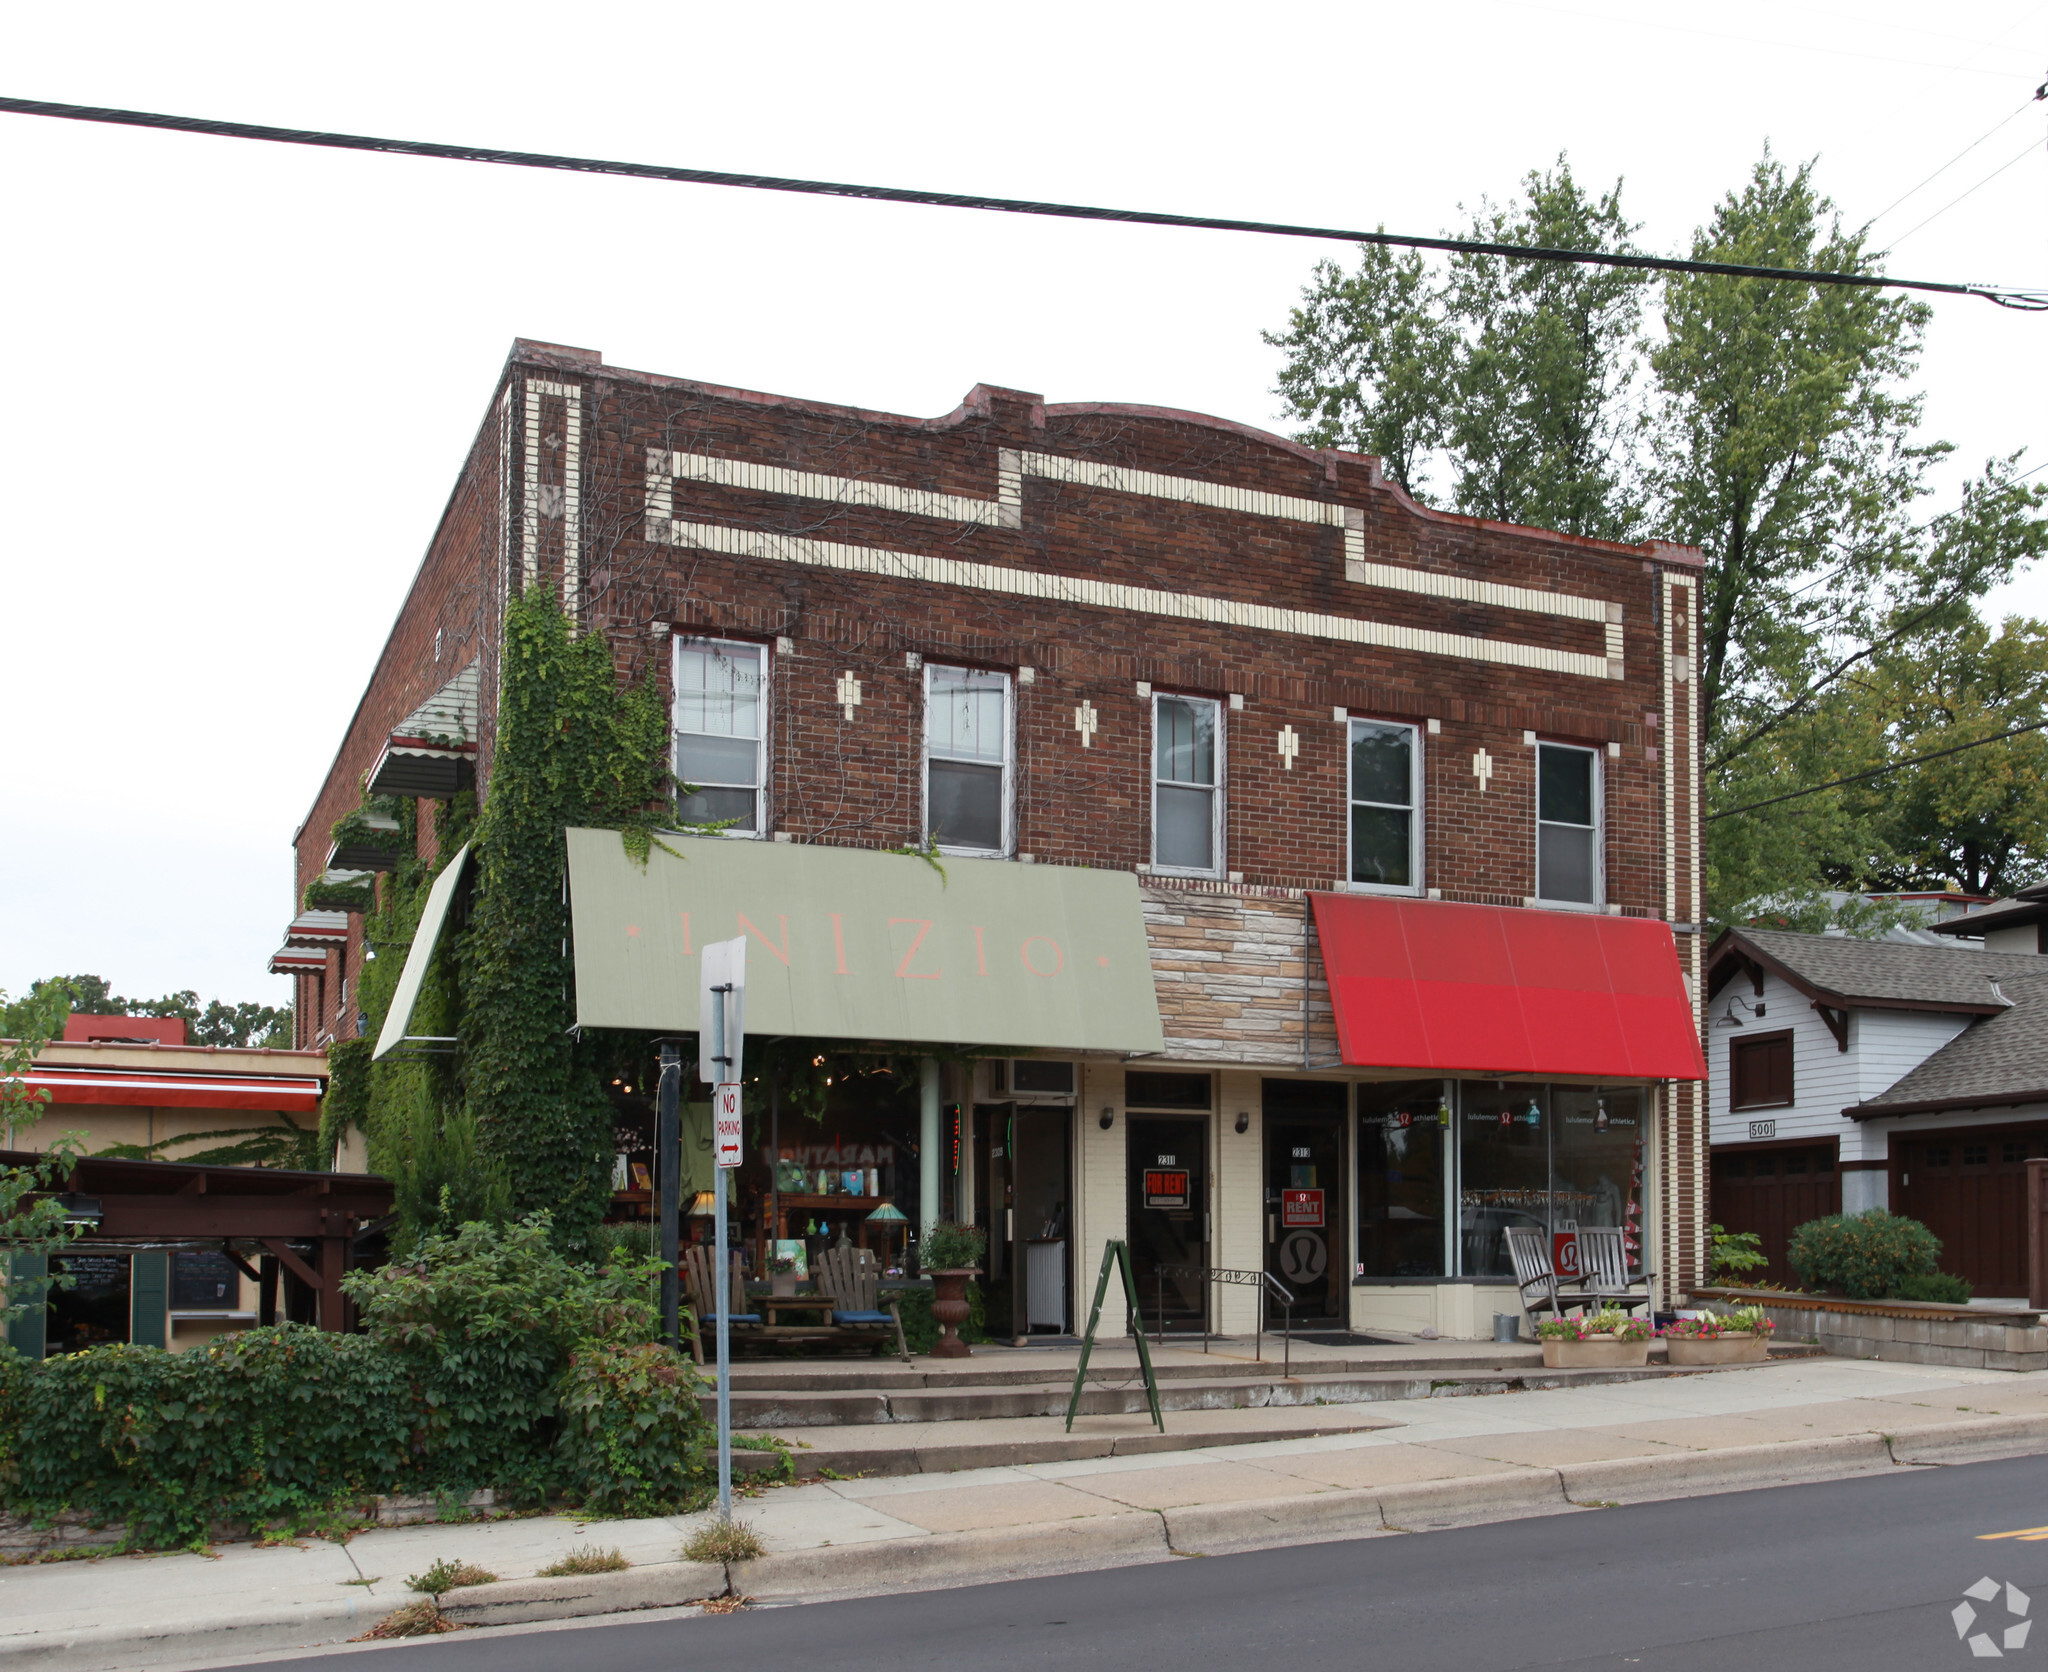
1398 808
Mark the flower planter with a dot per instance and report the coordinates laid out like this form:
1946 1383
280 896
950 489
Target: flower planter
1596 1352
782 1282
1718 1349
949 1311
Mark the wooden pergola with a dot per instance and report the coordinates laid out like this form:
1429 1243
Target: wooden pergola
245 1213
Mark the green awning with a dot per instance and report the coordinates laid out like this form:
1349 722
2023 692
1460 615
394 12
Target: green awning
843 943
398 1019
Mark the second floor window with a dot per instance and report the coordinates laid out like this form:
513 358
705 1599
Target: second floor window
1567 825
1385 781
967 759
720 725
1186 806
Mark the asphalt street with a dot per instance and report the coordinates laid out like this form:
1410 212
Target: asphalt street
1863 1573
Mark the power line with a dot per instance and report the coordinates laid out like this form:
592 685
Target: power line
1876 771
1998 127
2031 147
2030 301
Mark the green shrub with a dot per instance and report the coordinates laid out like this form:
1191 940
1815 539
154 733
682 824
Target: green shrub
489 1361
1734 1253
633 1438
486 1320
1863 1255
950 1247
275 1427
1937 1286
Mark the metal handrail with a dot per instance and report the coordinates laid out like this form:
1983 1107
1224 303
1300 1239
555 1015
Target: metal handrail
1264 1281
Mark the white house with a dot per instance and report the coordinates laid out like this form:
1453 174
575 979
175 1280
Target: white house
1849 1074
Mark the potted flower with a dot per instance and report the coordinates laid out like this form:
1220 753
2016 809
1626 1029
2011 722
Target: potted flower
949 1254
782 1274
1742 1337
1609 1340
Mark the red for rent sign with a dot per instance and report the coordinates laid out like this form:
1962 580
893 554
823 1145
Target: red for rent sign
1301 1208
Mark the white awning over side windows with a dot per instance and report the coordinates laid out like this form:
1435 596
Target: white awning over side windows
398 1020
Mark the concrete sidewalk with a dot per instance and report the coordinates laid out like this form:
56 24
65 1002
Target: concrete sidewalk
1442 1462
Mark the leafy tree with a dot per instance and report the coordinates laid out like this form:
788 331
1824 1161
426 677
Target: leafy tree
1512 377
216 1023
1369 362
1976 821
1542 428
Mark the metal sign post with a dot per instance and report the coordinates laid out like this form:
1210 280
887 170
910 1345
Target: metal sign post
668 1168
720 1040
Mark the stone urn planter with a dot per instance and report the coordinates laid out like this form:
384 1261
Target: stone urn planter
1743 1348
949 1310
1595 1352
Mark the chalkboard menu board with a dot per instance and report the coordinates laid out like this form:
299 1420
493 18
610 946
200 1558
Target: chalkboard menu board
202 1281
94 1309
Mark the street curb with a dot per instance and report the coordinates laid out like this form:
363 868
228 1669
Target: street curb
1735 1469
509 1602
984 1556
1977 1439
1209 1529
233 1638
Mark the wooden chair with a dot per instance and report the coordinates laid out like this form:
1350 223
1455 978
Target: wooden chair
851 1279
1603 1256
1542 1289
698 1266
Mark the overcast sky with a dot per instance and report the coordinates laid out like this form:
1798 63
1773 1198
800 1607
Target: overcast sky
245 375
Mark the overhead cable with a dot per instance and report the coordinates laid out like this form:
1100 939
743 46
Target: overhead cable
2032 301
1992 132
2032 146
1876 771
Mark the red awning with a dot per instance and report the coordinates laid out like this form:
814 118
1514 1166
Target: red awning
140 1088
1500 990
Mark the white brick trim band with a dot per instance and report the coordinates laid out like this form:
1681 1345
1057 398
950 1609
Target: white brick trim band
1145 600
1006 510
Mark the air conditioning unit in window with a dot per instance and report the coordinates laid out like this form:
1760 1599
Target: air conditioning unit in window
1027 1078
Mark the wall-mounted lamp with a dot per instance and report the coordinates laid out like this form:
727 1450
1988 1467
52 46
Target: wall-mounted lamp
1728 1018
1108 1118
1244 1120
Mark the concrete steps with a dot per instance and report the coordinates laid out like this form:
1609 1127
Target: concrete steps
934 1416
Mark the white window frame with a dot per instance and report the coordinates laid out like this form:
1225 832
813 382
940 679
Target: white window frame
1599 792
1216 790
1415 847
681 642
925 757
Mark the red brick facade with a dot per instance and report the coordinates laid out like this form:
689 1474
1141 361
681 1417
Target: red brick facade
1483 635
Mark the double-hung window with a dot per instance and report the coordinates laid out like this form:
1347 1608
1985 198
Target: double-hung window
1187 800
1567 825
1386 786
721 734
967 760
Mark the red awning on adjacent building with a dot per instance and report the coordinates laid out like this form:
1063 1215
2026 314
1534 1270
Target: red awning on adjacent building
1498 990
141 1088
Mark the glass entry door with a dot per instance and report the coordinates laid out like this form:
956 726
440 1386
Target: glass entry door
1169 1217
1305 1240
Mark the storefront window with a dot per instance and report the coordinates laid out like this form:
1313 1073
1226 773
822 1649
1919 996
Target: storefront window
1596 1160
1401 1144
1503 1170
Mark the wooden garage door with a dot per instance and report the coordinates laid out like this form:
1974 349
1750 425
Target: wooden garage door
1772 1192
1970 1190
